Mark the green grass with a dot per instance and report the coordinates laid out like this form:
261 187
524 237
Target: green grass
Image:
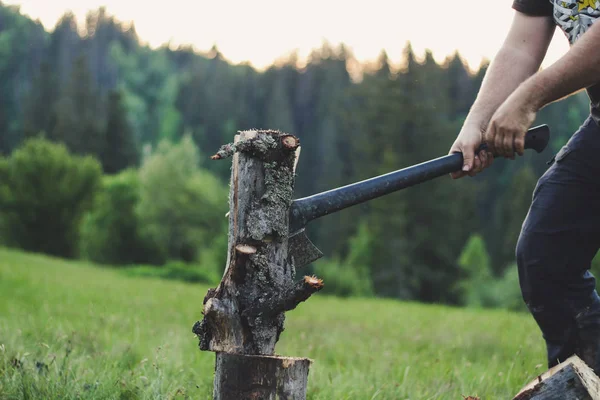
69 330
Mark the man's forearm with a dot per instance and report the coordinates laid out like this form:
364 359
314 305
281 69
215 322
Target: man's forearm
519 58
511 67
578 69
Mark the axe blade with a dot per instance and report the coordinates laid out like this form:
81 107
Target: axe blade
302 250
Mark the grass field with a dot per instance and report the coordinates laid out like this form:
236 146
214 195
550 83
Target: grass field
69 330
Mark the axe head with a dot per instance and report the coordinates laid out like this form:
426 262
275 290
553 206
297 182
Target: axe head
301 250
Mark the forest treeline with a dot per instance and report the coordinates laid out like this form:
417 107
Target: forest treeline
106 148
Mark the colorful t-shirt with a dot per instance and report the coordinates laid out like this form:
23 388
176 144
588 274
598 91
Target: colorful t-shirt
574 17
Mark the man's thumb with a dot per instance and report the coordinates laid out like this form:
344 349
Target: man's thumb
468 159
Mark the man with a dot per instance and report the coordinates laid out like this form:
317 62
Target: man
561 233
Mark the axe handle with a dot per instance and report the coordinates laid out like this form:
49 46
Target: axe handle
306 209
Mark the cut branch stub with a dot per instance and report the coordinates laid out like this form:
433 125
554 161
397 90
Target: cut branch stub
302 291
245 249
290 142
245 313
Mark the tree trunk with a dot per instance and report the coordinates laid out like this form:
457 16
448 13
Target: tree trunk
572 379
244 315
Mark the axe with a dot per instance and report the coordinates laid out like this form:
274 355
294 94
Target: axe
306 209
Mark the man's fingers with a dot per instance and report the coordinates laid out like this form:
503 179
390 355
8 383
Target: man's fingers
476 166
490 159
498 145
483 156
489 137
468 159
480 162
457 175
508 146
520 145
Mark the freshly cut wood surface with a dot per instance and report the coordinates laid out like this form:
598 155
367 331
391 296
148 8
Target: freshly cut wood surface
572 379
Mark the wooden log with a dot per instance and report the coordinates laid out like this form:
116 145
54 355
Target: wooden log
244 316
247 377
572 379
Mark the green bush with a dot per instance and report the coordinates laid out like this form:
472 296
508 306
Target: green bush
214 257
170 209
478 287
507 291
503 292
44 193
110 231
340 279
182 207
474 262
349 277
176 270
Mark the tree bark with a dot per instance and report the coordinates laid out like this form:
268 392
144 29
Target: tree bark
572 379
244 315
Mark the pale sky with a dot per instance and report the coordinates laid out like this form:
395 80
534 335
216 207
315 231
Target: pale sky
260 31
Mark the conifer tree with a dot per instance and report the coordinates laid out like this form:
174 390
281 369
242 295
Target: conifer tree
79 120
417 232
40 112
120 150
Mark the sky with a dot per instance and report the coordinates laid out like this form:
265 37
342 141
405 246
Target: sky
261 31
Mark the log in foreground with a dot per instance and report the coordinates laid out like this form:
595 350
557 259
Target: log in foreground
572 379
244 315
240 376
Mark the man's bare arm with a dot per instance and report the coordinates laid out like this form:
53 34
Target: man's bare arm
578 69
519 58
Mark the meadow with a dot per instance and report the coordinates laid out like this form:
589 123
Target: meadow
71 330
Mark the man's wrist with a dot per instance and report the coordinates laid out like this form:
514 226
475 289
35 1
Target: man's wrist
476 122
531 94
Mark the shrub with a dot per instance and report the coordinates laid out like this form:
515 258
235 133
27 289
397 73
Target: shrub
474 262
479 287
110 231
340 279
351 276
213 258
170 209
176 270
181 207
507 291
44 194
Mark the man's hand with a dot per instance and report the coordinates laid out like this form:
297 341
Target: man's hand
517 60
575 71
506 131
467 142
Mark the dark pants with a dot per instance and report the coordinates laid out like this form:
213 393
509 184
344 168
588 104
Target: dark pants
559 238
